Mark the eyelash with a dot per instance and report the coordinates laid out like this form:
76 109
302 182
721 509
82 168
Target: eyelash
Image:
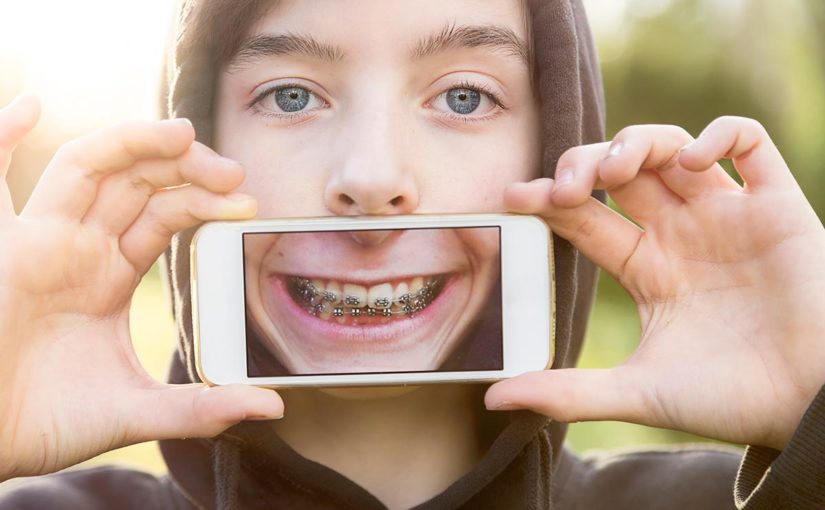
464 84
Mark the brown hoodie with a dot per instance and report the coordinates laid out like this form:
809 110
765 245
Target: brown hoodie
526 465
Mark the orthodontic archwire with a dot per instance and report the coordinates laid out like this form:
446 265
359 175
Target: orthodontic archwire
409 302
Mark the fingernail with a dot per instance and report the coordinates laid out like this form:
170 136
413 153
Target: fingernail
504 405
239 197
226 161
564 176
179 120
263 417
615 150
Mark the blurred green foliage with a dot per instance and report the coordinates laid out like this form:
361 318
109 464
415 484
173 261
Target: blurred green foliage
699 60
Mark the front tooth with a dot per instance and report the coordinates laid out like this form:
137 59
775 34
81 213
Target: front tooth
402 292
333 288
381 292
355 295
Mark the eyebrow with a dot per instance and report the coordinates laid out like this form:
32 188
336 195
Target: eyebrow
494 37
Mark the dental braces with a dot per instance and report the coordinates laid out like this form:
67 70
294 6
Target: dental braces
408 303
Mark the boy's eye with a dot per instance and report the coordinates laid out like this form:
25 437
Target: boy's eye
461 100
285 101
292 99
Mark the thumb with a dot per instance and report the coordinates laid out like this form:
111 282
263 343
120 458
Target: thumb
571 394
197 410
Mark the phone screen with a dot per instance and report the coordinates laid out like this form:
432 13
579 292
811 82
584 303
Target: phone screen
373 301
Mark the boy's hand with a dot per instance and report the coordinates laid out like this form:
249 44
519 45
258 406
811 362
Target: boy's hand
107 205
728 280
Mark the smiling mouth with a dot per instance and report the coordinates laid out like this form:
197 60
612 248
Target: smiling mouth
339 300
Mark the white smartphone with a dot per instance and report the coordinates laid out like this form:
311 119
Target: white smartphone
390 300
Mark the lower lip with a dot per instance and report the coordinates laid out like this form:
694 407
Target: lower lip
394 331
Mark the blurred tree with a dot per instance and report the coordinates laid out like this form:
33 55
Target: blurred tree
699 59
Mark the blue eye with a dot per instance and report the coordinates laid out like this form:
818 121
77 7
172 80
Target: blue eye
463 100
288 101
291 99
468 102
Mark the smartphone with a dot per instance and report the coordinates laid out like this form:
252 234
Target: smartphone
369 300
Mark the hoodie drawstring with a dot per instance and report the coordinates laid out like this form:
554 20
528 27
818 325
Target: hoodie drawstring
226 465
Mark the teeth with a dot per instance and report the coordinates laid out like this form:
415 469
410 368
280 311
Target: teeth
416 285
343 301
355 295
327 312
402 293
380 296
318 284
333 292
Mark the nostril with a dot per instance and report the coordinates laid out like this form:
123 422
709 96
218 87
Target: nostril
346 199
396 201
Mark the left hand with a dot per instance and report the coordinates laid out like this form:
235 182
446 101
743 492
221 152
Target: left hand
728 280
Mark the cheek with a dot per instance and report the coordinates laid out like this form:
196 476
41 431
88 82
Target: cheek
469 172
283 173
481 244
256 249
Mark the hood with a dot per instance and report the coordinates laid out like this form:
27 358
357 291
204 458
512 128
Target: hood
248 463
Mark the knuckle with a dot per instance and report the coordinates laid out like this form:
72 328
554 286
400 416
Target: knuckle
680 132
70 153
634 132
140 185
570 155
157 213
625 133
753 125
737 124
585 228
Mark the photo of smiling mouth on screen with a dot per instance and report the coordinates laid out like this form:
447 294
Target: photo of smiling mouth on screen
373 301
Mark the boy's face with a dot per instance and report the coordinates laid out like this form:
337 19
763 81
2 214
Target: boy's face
364 110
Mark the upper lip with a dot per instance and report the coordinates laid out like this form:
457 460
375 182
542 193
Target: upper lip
362 277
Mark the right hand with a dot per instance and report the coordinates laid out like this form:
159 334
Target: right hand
106 207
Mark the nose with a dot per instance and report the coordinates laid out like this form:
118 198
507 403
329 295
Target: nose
372 172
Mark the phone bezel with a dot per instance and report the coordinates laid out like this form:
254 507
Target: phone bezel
218 302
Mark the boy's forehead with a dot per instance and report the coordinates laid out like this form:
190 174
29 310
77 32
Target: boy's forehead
337 30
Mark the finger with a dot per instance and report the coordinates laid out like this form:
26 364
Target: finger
645 198
657 147
195 410
122 196
173 210
748 144
602 235
577 174
69 184
17 119
571 395
640 194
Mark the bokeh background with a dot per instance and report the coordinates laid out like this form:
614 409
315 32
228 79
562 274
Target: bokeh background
96 62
